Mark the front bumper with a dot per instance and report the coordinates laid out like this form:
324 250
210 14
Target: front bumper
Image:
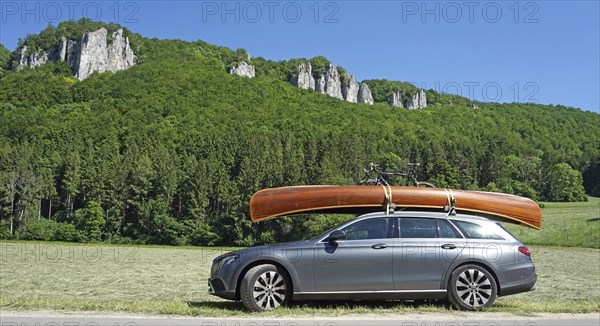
217 288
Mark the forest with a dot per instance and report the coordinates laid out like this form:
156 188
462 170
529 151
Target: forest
171 150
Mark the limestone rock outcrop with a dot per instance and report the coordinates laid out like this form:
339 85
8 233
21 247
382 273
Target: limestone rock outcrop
304 78
417 101
396 100
120 53
320 84
91 54
33 60
331 83
68 51
364 94
243 69
350 88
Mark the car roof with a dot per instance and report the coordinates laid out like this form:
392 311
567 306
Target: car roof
426 214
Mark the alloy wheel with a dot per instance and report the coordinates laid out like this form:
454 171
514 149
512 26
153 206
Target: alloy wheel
269 290
474 288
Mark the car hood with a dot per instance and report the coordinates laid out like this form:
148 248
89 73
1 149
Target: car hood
273 248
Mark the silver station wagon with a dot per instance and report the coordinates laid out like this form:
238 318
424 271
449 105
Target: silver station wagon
466 259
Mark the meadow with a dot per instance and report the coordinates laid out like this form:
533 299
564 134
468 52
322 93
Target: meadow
564 225
172 280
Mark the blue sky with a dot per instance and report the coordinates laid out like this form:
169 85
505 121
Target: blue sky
528 51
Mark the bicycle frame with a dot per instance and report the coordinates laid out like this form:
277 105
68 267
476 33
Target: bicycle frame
380 179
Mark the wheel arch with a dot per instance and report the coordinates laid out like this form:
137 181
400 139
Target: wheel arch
257 263
477 263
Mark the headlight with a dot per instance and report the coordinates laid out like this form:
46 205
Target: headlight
227 260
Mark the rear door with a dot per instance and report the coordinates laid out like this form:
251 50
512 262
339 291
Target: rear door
362 262
424 252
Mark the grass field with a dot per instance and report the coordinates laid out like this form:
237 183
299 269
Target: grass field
170 280
564 225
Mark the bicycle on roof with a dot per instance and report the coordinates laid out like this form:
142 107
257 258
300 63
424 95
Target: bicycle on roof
375 175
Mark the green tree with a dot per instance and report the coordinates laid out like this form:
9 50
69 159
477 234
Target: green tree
444 175
4 58
565 184
90 221
41 230
592 178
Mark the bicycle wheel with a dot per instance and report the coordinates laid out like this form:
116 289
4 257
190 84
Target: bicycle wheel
368 182
425 185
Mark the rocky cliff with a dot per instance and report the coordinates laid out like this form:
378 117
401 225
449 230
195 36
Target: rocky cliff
304 78
91 54
414 102
33 60
243 69
67 51
331 83
347 88
350 88
396 99
320 84
417 101
364 94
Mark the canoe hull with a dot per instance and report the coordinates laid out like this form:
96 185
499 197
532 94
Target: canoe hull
271 203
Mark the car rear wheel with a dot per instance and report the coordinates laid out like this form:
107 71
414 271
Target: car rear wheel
472 287
265 287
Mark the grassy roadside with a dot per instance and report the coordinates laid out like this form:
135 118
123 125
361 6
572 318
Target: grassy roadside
172 280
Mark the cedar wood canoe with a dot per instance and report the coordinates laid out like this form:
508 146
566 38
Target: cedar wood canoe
269 203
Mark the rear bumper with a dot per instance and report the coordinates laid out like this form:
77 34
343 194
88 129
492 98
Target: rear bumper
216 288
520 286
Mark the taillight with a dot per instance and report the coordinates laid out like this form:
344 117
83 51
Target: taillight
524 251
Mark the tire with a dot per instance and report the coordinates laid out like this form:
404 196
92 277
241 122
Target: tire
472 287
265 287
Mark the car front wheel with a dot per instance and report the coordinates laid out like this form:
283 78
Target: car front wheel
265 287
472 287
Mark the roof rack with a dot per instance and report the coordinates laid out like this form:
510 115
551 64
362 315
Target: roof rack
451 207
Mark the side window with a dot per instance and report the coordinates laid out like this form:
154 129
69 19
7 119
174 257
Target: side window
476 231
446 230
418 228
373 228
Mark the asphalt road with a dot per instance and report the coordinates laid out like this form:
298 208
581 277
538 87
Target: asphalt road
422 320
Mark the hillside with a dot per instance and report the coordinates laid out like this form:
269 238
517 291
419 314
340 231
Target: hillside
171 149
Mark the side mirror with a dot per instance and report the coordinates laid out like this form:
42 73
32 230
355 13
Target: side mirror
335 236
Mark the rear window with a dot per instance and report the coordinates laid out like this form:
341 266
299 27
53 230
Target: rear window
476 231
505 230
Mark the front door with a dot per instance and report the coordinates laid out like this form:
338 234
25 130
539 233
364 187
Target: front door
361 262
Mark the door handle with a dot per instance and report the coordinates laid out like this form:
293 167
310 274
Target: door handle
449 246
379 246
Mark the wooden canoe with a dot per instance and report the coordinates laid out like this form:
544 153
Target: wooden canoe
270 203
